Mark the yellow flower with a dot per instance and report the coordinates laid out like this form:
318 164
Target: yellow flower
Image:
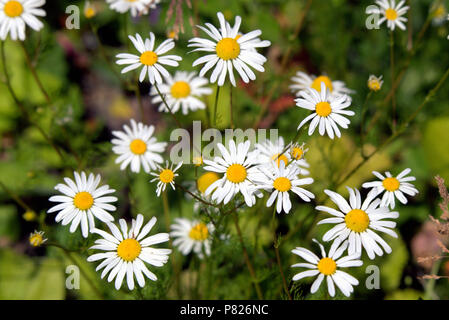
29 215
375 83
37 238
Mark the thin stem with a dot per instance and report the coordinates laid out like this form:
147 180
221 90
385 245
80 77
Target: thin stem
196 197
247 260
393 96
217 93
230 108
167 106
15 197
139 101
362 132
430 286
276 243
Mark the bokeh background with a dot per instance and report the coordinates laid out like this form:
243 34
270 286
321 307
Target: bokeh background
89 99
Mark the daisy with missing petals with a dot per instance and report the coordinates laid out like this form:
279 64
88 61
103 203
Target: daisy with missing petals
392 13
137 7
329 111
183 91
356 221
192 235
137 147
302 81
127 250
149 59
15 15
238 168
394 187
165 176
375 83
329 266
82 200
282 180
228 50
37 239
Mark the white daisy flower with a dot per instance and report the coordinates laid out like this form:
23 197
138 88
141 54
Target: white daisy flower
137 7
183 91
229 50
394 187
356 221
15 15
269 151
302 82
282 180
192 235
238 167
328 111
151 60
392 13
82 200
165 176
137 147
375 83
127 250
329 266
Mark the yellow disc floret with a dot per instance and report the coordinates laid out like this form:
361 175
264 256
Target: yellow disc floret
316 84
236 173
297 153
282 184
166 176
13 9
374 84
180 89
278 158
357 220
323 109
138 147
227 49
148 58
327 266
391 14
199 232
205 180
391 184
83 200
36 238
129 249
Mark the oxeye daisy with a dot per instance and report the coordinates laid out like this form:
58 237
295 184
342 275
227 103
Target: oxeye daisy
137 147
82 200
89 10
127 250
238 167
328 111
282 180
394 187
150 60
328 266
192 235
165 176
228 50
183 91
205 180
302 81
15 15
392 13
375 83
136 7
36 238
356 221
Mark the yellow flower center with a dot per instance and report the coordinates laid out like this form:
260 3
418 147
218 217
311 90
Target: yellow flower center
227 49
391 14
180 89
374 85
199 232
198 161
278 158
282 184
36 239
236 173
440 12
29 216
323 109
13 9
129 249
89 12
297 153
316 84
327 266
166 176
357 220
83 200
205 180
148 58
391 184
138 147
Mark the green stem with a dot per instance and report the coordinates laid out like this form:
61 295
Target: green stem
362 123
167 106
217 93
430 286
393 96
